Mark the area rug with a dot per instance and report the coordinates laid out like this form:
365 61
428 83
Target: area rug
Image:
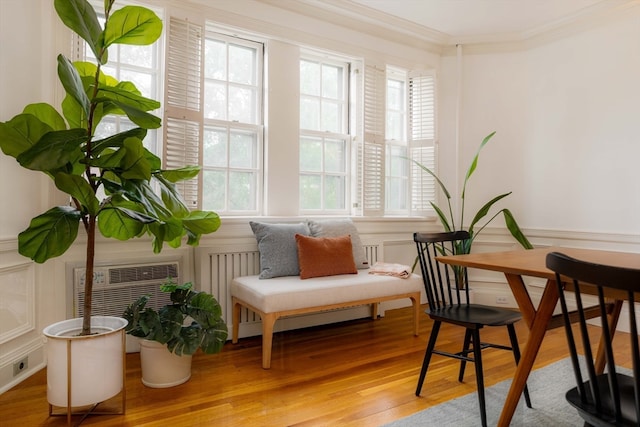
547 387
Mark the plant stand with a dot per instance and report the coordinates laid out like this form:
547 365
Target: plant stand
85 371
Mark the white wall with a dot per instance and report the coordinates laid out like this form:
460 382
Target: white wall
568 134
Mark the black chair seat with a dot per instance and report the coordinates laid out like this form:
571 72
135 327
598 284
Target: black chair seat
589 412
475 314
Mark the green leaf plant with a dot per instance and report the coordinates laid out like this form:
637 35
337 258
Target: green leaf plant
65 147
206 331
448 220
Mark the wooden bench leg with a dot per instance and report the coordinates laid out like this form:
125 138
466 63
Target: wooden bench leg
374 310
236 320
268 320
415 301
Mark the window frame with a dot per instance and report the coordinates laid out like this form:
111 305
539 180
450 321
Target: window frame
328 135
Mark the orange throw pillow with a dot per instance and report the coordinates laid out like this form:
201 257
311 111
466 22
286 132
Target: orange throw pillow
325 256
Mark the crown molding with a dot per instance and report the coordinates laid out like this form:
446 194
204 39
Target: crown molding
367 21
373 22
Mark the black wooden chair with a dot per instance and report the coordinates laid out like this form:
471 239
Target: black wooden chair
448 295
611 398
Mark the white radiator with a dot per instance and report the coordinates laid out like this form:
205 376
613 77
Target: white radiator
117 286
223 266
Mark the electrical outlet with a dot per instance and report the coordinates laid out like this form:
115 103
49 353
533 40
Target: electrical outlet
20 365
501 300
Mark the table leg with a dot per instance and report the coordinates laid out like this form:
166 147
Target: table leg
613 323
537 322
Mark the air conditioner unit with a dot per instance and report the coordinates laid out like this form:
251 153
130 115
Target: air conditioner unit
117 286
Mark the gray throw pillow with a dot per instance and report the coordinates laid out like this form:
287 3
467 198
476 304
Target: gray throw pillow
337 228
278 249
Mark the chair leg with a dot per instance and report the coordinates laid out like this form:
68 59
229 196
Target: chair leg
427 355
516 354
465 351
477 353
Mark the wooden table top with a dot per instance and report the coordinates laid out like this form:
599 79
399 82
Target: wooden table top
532 262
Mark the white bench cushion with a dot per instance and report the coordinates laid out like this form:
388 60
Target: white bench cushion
291 293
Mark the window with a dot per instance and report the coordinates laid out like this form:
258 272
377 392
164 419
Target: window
398 126
232 124
140 65
359 122
214 116
324 135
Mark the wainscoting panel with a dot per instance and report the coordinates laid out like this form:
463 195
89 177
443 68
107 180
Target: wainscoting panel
17 305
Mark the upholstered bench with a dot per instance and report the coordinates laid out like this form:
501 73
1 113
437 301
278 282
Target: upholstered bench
291 295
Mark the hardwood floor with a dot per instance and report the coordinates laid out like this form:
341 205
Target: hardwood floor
359 373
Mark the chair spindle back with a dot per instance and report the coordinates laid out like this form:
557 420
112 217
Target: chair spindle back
579 278
444 284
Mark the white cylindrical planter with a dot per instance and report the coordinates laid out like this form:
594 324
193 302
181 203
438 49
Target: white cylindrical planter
96 361
161 368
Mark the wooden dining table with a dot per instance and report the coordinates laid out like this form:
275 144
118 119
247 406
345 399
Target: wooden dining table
515 265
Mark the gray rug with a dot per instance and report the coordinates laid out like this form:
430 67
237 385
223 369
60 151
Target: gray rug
547 387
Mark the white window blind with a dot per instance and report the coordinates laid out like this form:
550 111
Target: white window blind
422 133
183 102
373 172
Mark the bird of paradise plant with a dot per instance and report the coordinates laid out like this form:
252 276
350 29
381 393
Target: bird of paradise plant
449 223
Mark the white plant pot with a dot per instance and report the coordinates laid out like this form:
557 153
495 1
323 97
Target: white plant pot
96 361
161 368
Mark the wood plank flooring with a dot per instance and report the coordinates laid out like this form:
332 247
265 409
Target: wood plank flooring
359 373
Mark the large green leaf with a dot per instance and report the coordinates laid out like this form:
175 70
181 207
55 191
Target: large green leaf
202 222
474 162
54 150
73 112
433 174
187 342
514 228
46 114
108 160
117 140
442 216
139 117
121 223
82 19
49 234
181 174
78 188
141 192
484 210
204 309
214 338
134 163
126 93
132 25
72 83
171 196
21 133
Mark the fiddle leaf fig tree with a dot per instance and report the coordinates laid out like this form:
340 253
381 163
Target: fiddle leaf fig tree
65 146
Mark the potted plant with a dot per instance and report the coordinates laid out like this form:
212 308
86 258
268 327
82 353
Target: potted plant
66 147
193 320
449 223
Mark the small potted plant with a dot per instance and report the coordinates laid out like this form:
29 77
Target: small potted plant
449 223
170 336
